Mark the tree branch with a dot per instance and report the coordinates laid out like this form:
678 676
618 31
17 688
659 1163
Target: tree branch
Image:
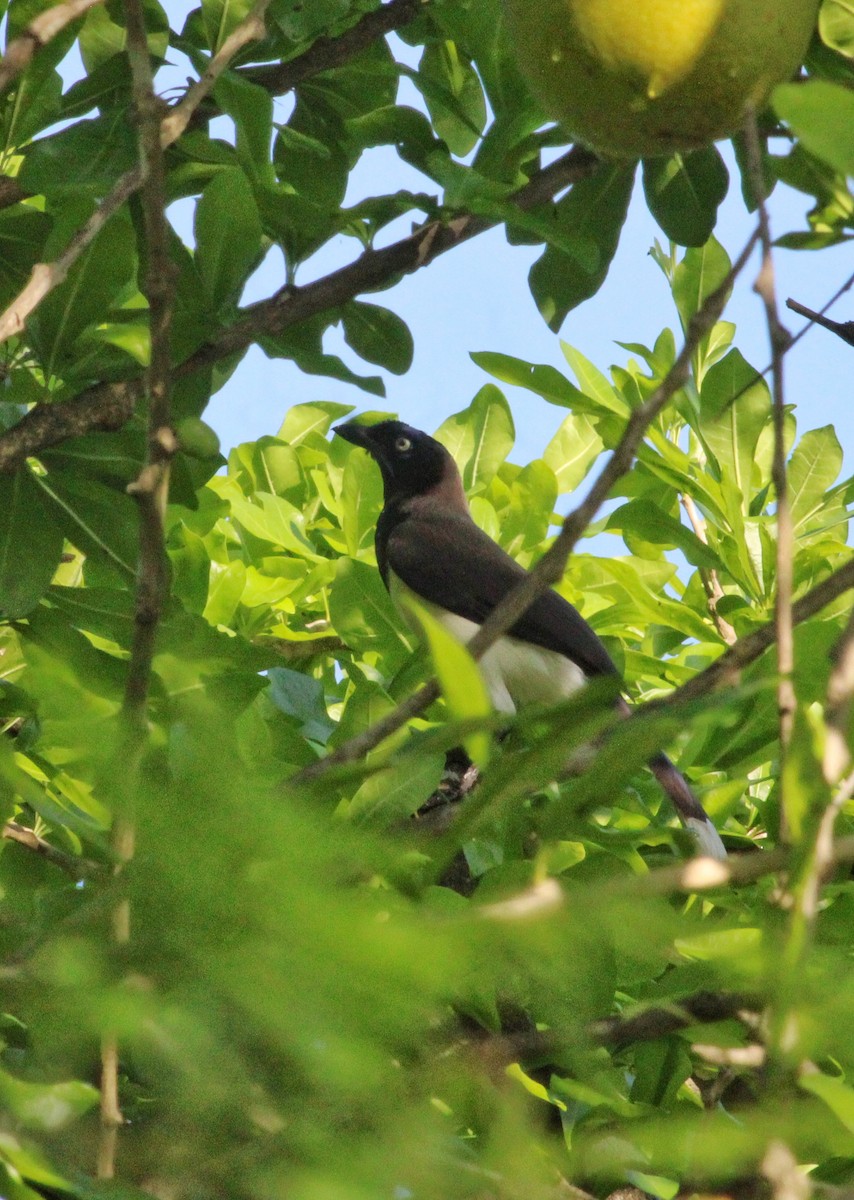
325 53
842 329
711 583
785 556
71 864
20 52
151 490
551 566
109 406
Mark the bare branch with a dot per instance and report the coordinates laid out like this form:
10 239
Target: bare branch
325 53
250 29
702 1008
705 874
551 566
842 329
42 29
102 407
750 647
151 489
779 338
72 864
711 583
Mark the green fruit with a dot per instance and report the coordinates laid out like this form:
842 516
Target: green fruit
636 78
196 438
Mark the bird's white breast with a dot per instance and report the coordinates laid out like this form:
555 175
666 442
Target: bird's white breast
516 673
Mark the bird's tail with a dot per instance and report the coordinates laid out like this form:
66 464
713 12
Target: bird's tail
689 809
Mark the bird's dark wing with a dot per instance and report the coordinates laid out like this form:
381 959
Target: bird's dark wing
448 560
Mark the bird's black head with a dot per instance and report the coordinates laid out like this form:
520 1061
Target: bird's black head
411 462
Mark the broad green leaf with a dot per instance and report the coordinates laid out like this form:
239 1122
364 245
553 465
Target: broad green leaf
735 406
700 272
572 451
101 521
593 383
362 612
104 34
643 520
46 1106
838 1096
480 437
88 156
228 236
361 502
275 520
459 677
305 419
30 544
683 193
836 26
251 109
813 468
541 379
104 270
378 335
300 696
595 207
454 96
226 586
393 794
822 115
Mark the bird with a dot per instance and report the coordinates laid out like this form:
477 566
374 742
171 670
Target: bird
427 543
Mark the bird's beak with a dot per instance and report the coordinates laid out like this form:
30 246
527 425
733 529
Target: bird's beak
359 435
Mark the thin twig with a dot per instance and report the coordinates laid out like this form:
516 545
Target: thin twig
108 406
842 329
709 577
750 647
250 29
779 339
71 864
551 566
41 30
706 874
151 490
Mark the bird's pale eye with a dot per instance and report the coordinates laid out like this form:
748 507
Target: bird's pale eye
402 445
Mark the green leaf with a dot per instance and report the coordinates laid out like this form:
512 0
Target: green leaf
454 96
480 437
228 236
46 1106
30 544
541 379
305 419
838 1097
459 677
735 406
813 468
683 193
302 697
378 335
643 520
88 156
572 451
836 26
104 270
822 115
699 273
362 612
101 521
595 207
